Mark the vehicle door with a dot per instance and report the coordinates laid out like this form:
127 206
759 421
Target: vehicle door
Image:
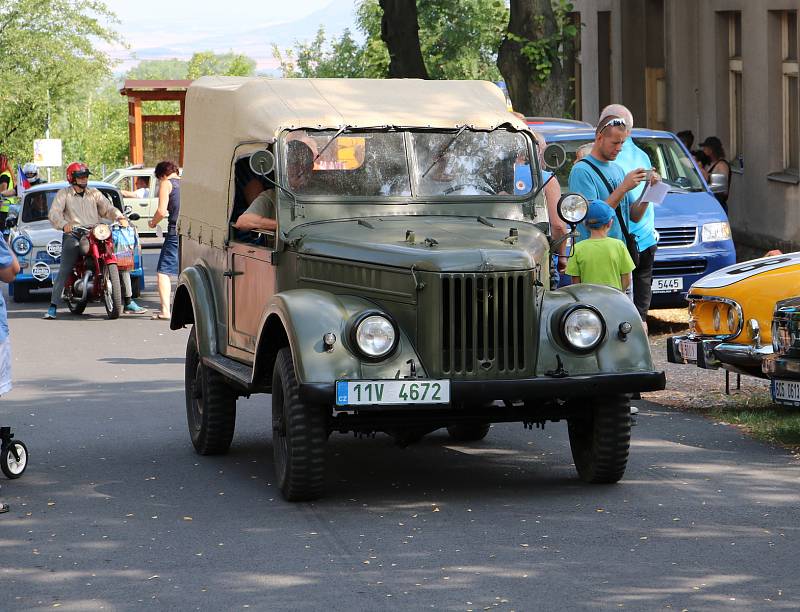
250 273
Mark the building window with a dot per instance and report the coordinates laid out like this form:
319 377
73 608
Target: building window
735 82
791 92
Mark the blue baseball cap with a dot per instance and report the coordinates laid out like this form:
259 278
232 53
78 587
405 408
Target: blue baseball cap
599 214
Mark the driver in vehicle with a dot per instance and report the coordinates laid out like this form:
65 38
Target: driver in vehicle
80 205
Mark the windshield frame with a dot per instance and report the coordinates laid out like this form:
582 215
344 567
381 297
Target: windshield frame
411 162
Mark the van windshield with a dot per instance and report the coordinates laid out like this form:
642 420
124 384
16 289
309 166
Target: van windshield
407 164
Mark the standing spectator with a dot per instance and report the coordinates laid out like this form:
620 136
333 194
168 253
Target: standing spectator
599 259
687 138
583 150
9 267
717 164
169 204
631 158
597 177
6 186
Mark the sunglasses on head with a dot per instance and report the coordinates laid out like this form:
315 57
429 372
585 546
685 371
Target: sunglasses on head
613 123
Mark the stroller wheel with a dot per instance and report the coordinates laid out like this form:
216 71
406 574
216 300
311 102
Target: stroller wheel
14 466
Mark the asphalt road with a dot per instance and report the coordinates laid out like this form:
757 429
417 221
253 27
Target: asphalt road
116 512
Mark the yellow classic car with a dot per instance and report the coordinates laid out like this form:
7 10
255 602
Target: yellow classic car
730 314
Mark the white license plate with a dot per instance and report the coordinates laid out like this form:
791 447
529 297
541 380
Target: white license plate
786 391
397 392
688 350
667 285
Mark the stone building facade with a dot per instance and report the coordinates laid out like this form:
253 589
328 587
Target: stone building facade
727 68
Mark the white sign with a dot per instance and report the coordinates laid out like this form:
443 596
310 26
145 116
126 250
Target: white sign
40 271
54 249
47 152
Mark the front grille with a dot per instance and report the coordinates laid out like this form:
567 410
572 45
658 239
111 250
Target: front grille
679 267
483 322
676 236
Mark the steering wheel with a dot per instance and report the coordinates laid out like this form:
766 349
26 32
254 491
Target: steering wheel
460 186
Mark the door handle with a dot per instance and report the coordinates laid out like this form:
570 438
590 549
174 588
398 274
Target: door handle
232 273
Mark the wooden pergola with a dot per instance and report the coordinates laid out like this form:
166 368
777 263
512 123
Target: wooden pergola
138 91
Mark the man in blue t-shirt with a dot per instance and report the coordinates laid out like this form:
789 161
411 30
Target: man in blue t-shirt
630 158
614 186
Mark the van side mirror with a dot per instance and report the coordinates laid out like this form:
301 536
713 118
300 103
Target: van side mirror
262 162
718 183
554 156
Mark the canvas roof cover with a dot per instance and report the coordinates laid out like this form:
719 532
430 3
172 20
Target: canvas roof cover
223 112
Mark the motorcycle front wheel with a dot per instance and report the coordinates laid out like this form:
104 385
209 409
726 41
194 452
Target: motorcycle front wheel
112 291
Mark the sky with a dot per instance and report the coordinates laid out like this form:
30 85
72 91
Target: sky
166 29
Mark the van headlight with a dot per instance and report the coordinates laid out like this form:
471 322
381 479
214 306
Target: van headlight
582 328
375 335
716 232
101 231
21 245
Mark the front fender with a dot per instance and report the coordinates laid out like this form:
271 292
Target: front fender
613 354
308 314
194 303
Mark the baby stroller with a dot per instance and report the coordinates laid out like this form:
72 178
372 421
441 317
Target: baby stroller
13 454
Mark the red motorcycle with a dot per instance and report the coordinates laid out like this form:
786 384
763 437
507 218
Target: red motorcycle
95 275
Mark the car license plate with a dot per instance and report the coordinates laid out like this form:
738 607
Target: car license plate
667 285
786 392
387 392
688 350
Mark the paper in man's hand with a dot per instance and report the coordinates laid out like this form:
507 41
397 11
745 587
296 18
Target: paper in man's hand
655 193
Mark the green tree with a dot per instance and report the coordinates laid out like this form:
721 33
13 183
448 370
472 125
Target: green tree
318 58
159 70
205 63
48 62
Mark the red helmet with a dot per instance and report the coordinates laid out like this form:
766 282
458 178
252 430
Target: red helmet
76 169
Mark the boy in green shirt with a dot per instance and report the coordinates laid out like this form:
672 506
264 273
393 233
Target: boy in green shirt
599 259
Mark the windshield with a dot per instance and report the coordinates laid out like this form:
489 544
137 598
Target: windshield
419 164
666 156
474 163
37 205
365 164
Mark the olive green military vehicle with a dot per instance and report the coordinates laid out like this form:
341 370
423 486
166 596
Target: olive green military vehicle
404 284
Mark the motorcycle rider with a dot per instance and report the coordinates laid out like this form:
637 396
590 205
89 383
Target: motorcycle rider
7 189
31 172
79 204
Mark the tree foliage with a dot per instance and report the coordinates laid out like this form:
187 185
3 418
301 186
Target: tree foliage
205 63
49 63
159 70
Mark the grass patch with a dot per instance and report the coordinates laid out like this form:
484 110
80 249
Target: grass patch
763 420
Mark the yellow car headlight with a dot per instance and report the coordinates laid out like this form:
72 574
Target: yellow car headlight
716 318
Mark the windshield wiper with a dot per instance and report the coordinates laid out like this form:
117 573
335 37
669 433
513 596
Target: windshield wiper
329 143
445 149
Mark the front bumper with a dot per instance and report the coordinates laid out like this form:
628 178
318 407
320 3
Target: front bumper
544 388
713 354
781 366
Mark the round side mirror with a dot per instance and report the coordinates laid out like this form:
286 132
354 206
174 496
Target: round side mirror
554 156
262 162
134 216
573 208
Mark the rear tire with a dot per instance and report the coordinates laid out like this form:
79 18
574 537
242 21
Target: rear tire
299 434
75 307
112 291
22 292
210 404
600 443
468 432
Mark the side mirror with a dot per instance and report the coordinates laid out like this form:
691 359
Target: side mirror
262 162
11 222
554 156
572 208
134 216
718 183
127 209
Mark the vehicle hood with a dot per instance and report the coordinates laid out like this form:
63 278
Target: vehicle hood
688 209
440 243
38 232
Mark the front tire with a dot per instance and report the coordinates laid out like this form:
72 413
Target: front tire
600 443
299 434
13 467
112 291
210 404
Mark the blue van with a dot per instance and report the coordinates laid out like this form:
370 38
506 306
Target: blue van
694 234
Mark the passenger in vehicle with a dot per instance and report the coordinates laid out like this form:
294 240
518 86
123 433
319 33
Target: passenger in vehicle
142 189
300 165
37 209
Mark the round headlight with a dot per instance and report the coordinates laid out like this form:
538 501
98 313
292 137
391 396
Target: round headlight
732 319
375 336
717 318
573 208
101 231
21 246
583 328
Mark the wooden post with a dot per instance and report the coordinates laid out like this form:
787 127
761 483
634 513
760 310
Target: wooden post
183 110
135 130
